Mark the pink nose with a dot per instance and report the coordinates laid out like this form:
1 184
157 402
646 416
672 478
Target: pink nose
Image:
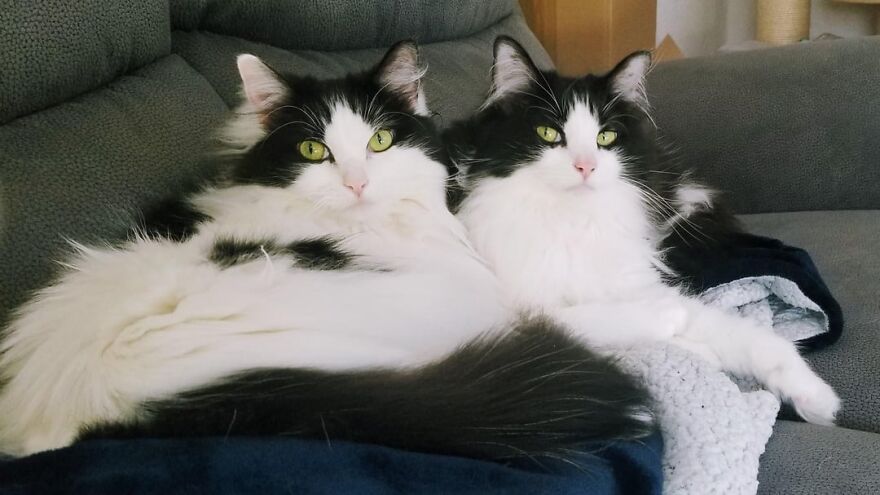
585 167
356 186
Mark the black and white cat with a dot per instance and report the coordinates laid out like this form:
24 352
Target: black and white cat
570 201
320 288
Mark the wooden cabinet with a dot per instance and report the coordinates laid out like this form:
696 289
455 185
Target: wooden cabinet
591 35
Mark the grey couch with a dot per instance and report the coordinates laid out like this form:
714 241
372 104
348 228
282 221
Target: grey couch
106 105
793 136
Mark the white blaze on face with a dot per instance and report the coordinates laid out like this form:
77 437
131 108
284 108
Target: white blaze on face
558 166
580 125
386 177
580 132
347 136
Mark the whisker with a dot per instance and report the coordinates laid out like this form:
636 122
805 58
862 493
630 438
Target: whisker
673 217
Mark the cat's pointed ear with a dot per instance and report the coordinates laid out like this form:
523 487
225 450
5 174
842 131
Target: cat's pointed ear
628 77
263 87
400 73
513 70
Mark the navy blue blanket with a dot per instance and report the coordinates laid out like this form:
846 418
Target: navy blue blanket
741 255
219 466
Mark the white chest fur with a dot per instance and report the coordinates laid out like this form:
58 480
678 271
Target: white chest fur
552 248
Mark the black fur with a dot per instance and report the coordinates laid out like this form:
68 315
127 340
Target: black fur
501 137
231 252
530 394
685 248
314 254
174 218
275 161
320 254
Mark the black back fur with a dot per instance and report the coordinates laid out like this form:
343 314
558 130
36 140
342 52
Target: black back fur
533 393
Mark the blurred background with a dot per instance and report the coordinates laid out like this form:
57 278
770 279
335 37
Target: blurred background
591 35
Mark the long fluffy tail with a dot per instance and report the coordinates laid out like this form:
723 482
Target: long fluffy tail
530 393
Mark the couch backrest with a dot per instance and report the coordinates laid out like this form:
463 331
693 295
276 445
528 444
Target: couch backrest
107 105
335 25
56 50
779 129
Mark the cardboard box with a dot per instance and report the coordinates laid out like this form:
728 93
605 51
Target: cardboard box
591 35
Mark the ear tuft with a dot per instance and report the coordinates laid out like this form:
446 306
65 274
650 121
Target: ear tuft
628 77
513 70
263 88
400 73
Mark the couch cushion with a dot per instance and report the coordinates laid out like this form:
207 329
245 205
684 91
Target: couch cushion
77 170
783 129
331 25
805 459
843 245
55 49
456 83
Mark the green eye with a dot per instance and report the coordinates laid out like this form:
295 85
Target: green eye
605 138
548 134
313 150
381 141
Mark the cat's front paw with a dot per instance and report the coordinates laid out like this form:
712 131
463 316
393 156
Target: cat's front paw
812 398
815 401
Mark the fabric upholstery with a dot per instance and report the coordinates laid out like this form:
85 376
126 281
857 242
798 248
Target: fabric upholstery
784 129
53 50
332 25
80 169
843 246
789 129
804 459
96 120
457 81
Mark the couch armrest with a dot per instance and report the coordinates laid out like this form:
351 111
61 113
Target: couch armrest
781 129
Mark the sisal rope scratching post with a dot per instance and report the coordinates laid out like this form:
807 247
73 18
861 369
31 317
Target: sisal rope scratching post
781 22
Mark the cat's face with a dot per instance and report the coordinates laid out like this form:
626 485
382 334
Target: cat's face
358 142
568 136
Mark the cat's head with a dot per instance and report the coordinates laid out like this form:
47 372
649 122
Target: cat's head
564 135
355 142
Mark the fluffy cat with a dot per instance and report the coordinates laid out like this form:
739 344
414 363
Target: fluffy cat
319 288
568 198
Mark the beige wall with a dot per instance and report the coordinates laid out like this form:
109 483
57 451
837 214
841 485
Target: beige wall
701 27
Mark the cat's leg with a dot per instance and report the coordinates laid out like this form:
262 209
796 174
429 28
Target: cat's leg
616 324
746 348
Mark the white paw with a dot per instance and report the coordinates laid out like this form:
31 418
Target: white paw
815 401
